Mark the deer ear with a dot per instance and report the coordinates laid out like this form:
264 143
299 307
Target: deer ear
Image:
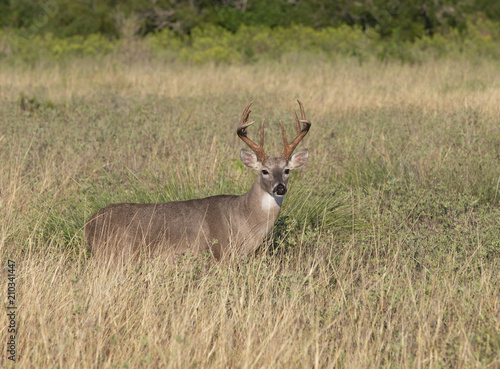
250 159
298 159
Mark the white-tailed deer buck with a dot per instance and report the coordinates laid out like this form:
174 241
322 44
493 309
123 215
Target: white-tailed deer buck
224 224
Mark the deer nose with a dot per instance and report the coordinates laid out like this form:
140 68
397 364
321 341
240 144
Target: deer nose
280 189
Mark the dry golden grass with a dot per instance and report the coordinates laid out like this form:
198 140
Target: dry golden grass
253 313
339 86
386 254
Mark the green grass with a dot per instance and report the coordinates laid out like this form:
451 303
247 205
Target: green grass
386 253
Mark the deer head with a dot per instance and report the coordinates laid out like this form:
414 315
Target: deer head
274 171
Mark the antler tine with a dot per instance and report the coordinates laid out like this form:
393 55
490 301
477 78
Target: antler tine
245 115
261 144
302 111
242 133
298 122
283 134
301 133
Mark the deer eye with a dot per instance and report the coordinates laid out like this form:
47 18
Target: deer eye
265 172
287 171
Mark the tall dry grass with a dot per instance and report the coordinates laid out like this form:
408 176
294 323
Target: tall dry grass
327 86
386 253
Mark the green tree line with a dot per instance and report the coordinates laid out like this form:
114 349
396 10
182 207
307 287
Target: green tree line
402 19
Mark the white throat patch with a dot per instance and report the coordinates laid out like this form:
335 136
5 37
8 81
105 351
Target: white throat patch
270 202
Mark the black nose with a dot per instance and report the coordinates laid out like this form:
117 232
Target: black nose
280 189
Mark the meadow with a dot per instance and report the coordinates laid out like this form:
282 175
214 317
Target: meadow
386 252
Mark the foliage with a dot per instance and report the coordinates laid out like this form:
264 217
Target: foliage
248 44
48 47
403 20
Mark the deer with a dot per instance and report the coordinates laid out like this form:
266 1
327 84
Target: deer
222 225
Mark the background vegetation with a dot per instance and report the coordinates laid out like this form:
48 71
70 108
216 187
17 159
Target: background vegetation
247 31
405 20
387 251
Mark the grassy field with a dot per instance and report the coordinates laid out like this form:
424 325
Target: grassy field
386 253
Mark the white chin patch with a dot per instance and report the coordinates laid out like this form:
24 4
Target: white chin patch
271 202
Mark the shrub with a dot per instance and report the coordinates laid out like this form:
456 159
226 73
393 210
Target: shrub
215 44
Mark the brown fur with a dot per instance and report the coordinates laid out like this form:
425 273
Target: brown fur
221 224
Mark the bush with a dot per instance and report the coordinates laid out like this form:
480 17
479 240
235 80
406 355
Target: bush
20 45
215 44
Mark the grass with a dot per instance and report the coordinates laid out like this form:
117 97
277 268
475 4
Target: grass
386 253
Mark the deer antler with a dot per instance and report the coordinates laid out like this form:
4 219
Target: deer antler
301 133
242 133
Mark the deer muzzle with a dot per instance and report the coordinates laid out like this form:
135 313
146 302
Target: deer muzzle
280 189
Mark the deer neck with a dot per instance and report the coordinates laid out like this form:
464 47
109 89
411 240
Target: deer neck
261 206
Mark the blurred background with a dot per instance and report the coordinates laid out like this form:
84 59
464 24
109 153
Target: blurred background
232 31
